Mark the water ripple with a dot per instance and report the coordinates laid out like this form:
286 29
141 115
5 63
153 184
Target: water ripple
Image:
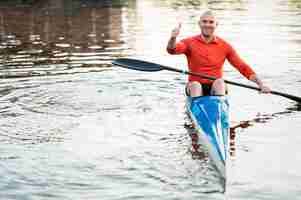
73 126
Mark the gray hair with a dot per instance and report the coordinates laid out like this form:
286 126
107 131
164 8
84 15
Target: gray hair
208 13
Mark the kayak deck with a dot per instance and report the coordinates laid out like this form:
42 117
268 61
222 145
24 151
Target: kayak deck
210 118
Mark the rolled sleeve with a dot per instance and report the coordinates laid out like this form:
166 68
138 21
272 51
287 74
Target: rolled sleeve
181 48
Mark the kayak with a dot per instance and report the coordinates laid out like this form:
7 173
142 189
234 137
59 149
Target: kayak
210 118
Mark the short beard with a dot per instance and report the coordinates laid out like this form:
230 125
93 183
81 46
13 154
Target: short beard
206 35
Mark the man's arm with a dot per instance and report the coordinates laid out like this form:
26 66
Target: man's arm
172 43
172 46
258 81
246 70
173 38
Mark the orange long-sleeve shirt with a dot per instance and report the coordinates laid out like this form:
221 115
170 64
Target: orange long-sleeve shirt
209 58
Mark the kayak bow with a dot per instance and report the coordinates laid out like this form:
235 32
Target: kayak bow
210 118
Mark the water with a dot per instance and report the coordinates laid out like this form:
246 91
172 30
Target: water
75 127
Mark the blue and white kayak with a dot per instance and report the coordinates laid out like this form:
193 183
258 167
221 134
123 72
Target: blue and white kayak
210 118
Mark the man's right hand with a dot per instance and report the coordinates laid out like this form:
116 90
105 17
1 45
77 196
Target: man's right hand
176 31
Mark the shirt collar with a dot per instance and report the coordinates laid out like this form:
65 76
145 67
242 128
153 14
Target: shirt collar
201 38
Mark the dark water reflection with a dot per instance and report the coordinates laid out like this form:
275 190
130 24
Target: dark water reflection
59 37
74 127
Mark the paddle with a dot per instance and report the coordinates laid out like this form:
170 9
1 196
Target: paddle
153 67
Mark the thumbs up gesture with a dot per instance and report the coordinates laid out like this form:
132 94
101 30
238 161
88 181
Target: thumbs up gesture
176 31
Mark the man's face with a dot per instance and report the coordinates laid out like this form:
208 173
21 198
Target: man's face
208 25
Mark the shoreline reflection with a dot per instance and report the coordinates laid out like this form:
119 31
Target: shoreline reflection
57 37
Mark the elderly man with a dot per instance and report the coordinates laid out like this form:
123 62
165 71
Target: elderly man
206 54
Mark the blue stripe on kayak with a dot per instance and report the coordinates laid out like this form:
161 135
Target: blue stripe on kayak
211 112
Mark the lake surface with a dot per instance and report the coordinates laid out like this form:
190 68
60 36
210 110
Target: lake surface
75 127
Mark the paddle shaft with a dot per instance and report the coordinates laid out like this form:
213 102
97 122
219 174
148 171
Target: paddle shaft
292 97
153 67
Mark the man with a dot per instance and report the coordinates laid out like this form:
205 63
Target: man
206 54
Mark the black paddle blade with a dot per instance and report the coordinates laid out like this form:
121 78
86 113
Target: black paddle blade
137 65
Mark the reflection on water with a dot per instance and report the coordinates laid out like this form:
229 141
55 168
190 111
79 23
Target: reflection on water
118 134
59 37
260 118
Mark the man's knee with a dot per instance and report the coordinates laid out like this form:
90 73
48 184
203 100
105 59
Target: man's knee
195 89
219 87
